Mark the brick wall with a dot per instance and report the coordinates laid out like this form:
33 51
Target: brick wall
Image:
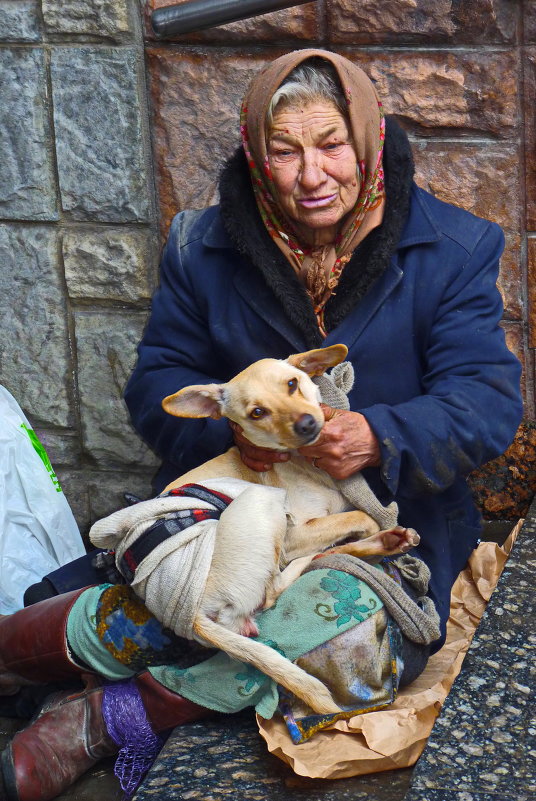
84 126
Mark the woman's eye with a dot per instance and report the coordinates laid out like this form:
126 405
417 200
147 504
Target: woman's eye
334 146
292 385
257 413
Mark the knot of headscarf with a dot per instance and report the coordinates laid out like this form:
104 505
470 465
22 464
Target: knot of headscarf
319 268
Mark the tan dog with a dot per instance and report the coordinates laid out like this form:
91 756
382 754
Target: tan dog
277 405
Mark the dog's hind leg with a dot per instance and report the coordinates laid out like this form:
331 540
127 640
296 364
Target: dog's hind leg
284 579
321 532
246 557
391 542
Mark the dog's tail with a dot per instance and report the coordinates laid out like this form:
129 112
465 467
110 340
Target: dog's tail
268 661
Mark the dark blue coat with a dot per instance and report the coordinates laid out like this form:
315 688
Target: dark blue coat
433 375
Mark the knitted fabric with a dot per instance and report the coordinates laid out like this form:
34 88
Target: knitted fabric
181 587
334 389
420 625
127 724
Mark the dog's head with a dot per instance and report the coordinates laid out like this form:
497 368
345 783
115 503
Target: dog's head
274 401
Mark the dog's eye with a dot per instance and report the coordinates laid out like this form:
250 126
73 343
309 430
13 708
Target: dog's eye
292 385
257 413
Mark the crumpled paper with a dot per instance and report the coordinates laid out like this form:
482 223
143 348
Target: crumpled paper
395 737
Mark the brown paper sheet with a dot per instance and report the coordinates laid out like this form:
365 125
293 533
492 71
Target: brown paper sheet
395 737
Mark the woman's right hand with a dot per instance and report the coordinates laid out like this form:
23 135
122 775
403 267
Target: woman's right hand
259 459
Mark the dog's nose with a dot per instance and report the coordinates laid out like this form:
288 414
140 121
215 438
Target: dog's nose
306 425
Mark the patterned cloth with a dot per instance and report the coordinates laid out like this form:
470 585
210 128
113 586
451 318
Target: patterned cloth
174 523
131 634
329 622
318 607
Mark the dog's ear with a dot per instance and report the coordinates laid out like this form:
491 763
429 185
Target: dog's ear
201 400
316 362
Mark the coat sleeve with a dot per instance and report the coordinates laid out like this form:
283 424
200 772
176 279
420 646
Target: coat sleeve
175 351
470 406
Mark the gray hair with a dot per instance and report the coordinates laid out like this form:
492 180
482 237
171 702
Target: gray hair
310 82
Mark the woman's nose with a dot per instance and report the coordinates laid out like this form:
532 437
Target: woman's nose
311 173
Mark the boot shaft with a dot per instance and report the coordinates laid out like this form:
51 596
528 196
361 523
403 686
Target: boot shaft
33 642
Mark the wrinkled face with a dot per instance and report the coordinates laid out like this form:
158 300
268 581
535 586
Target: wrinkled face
314 167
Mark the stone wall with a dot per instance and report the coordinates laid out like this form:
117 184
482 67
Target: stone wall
80 221
77 235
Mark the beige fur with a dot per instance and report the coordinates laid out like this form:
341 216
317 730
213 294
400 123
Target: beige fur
277 405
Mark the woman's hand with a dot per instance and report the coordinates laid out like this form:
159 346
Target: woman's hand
346 444
259 459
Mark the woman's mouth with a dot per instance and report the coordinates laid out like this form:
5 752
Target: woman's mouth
316 202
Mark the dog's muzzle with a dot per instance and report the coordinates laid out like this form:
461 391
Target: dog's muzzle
306 426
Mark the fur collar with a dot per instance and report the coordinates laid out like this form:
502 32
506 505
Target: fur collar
369 260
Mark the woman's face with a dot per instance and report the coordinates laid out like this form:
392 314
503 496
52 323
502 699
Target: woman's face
314 168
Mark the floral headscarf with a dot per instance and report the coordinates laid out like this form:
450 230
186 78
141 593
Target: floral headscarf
319 268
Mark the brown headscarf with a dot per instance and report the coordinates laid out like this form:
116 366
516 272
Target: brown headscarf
319 268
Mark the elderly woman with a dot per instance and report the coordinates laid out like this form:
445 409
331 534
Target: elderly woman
320 237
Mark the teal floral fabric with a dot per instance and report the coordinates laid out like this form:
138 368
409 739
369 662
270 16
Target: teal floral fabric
314 610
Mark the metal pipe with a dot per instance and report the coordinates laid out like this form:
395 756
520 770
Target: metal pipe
194 15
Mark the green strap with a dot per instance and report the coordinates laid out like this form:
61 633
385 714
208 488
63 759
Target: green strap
41 452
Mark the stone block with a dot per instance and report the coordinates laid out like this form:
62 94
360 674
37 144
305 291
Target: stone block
107 264
27 187
196 109
106 348
505 487
35 361
422 21
63 448
530 134
529 22
484 179
106 490
220 758
75 488
531 300
103 18
94 494
458 92
19 21
99 146
300 24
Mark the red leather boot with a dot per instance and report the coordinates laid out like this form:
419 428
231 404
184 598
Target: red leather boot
33 645
43 760
164 708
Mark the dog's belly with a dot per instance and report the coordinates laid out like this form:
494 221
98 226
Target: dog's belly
311 492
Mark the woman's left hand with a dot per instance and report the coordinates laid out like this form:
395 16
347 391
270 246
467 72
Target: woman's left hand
345 446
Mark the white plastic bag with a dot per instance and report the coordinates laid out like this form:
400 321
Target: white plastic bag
38 532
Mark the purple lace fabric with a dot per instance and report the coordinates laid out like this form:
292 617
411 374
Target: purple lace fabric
127 724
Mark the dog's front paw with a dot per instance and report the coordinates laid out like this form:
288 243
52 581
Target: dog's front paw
399 539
